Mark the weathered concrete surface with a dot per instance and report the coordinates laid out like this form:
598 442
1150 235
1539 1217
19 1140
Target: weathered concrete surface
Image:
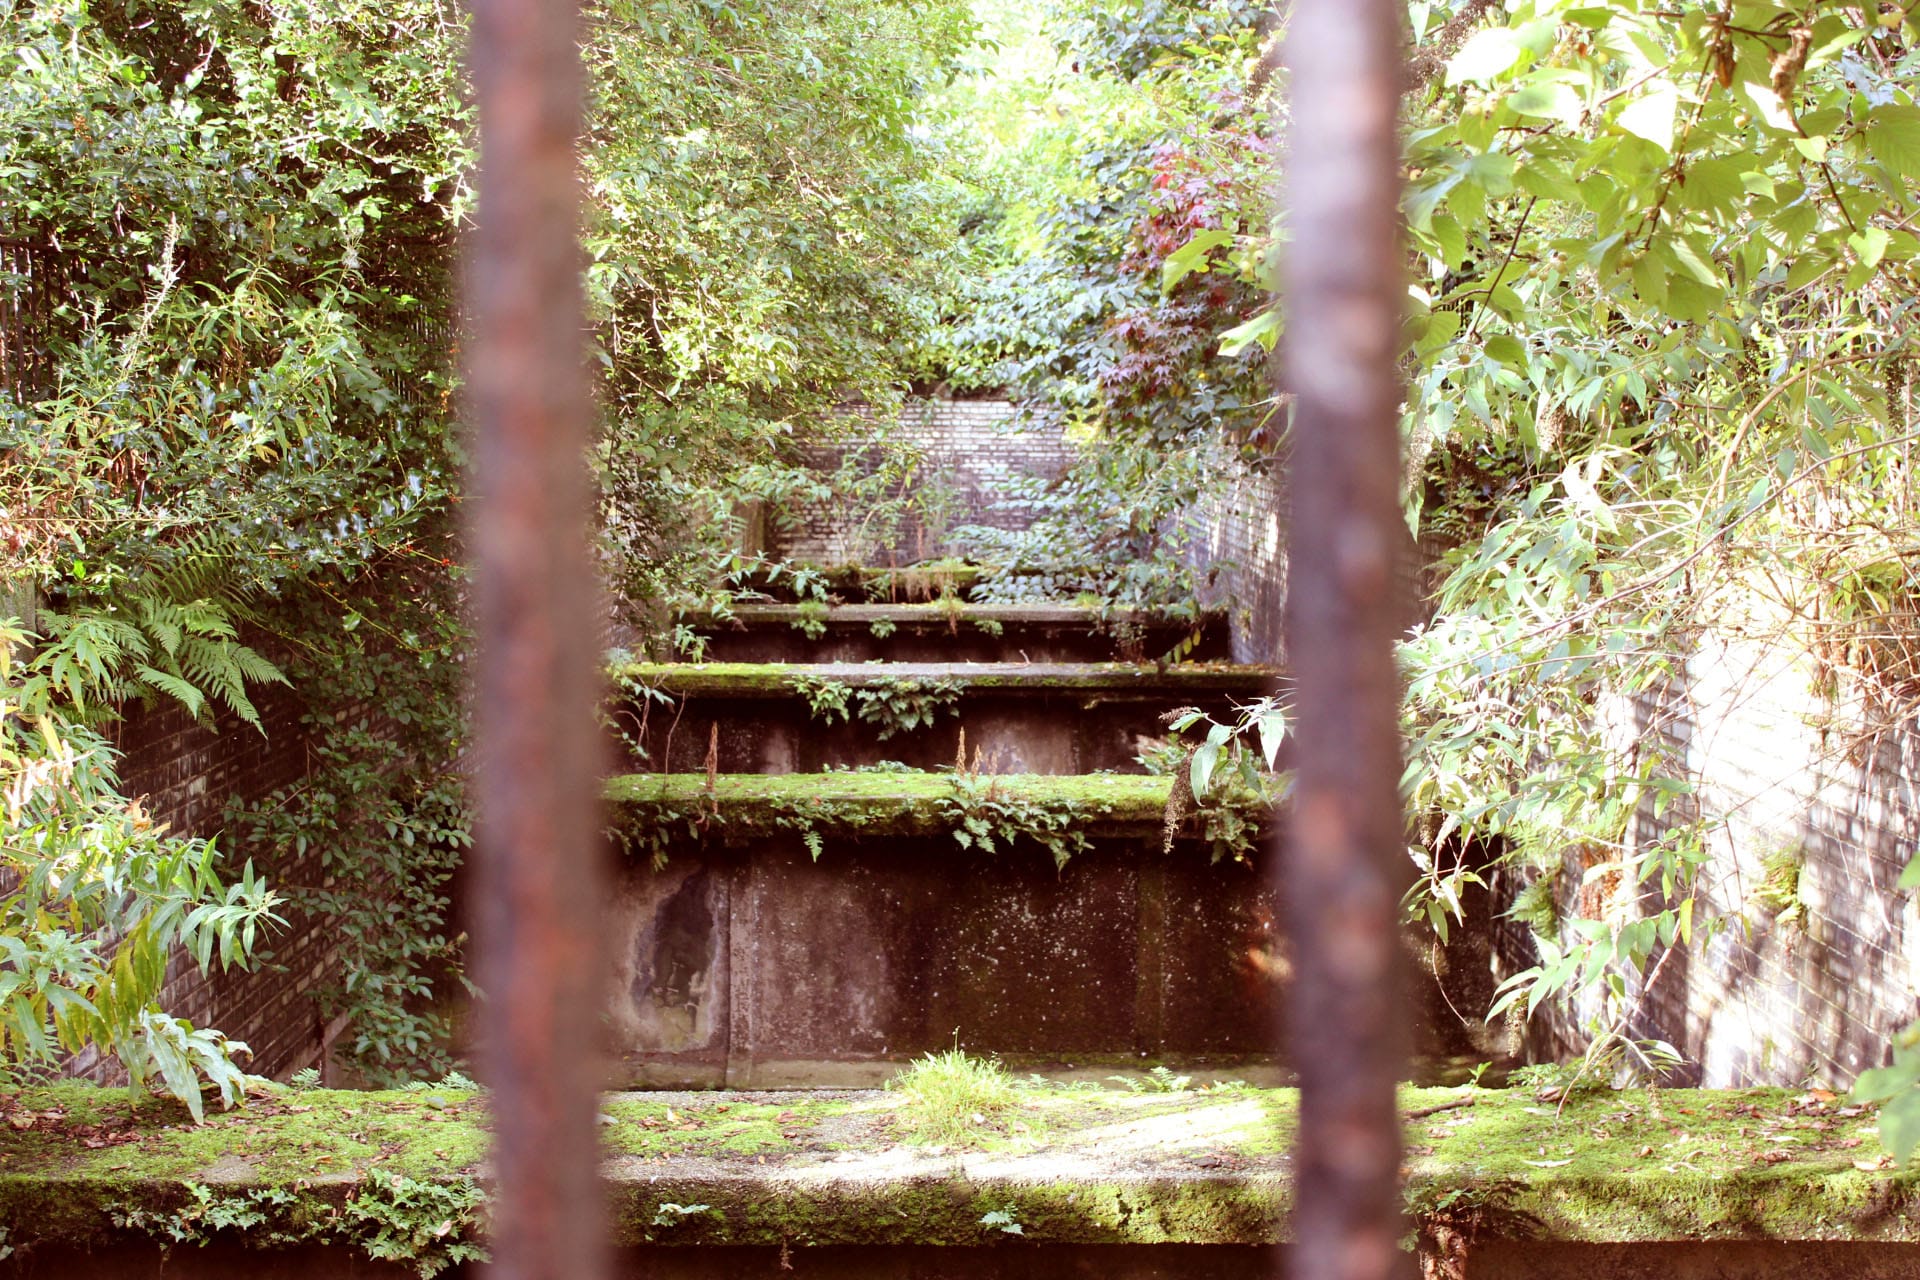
1053 718
1515 1185
1041 633
759 967
749 959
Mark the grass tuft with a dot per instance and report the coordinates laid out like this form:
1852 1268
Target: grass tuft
952 1097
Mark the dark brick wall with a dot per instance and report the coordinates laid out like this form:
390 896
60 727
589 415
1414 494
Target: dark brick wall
184 774
974 455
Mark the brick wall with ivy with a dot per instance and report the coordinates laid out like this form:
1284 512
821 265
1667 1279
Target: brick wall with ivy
1818 802
974 456
184 774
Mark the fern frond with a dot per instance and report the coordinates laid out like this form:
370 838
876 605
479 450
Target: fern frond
180 690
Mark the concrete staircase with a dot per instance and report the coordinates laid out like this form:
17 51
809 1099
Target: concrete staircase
841 851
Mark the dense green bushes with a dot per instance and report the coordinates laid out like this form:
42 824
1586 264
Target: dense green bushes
236 226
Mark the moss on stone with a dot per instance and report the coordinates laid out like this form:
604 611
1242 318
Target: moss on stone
875 804
1090 618
742 680
1070 1165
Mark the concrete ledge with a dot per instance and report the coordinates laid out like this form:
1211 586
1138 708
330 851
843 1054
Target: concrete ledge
955 632
1089 617
777 679
80 1166
744 806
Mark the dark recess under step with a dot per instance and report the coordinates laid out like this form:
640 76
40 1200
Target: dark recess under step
1042 718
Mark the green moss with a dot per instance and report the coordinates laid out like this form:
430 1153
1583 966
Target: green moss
650 1129
941 615
1069 1165
776 679
874 804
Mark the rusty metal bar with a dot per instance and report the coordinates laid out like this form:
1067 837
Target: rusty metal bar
537 883
1343 866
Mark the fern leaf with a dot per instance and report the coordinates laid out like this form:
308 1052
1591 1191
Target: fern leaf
173 686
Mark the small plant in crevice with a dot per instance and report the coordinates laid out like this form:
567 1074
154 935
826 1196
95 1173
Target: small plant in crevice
952 608
427 1225
1778 893
988 816
881 628
629 714
826 699
1537 904
1159 1079
1220 781
895 704
903 704
810 618
1003 1221
669 1214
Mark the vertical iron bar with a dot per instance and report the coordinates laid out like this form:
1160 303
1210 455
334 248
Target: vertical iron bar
1344 297
537 881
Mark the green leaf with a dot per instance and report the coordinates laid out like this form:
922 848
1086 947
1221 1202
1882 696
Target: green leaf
1651 117
1869 245
1263 329
1508 350
1484 56
1548 100
1770 107
1273 732
1192 256
1441 326
1910 877
1900 1124
1893 136
1205 757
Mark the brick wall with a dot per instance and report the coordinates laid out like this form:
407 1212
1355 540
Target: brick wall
184 774
974 458
1778 1000
1241 532
1243 528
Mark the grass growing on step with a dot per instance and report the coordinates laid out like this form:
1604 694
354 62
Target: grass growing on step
954 1097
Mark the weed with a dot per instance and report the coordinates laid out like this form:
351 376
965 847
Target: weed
952 1096
810 618
1002 1220
672 1215
1158 1080
986 816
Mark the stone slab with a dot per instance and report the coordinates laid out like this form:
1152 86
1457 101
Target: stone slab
80 1168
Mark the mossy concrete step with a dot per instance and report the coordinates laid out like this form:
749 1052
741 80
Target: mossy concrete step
1497 1183
818 930
954 632
1055 718
735 808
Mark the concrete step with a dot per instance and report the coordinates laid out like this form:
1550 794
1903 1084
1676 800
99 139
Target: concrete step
1117 1182
955 632
819 930
1053 718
